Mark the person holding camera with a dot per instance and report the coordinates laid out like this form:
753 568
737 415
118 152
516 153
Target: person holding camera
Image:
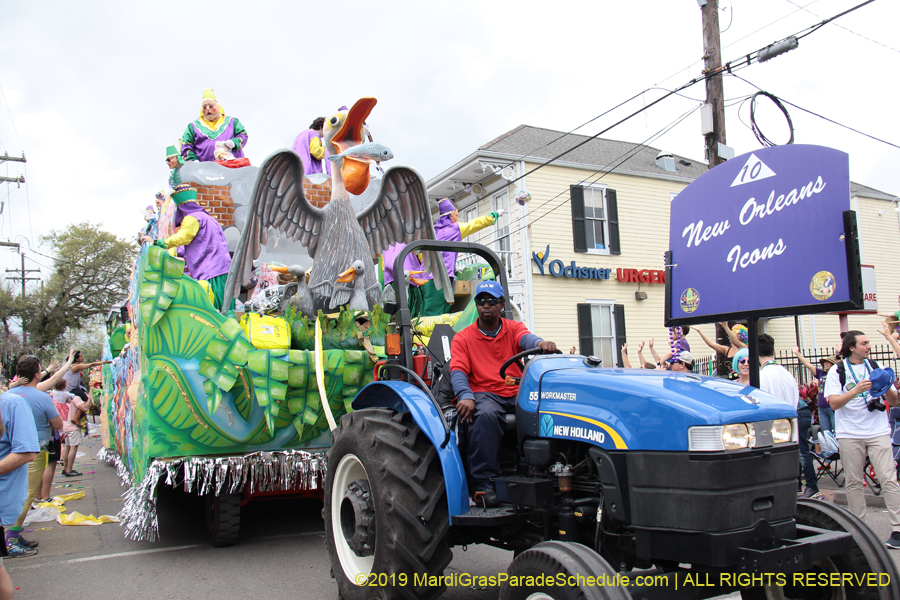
854 388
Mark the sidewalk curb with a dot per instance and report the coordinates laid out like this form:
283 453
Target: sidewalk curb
840 497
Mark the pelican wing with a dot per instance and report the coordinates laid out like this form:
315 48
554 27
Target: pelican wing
278 202
401 213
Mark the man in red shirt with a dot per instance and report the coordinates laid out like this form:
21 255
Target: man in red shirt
478 351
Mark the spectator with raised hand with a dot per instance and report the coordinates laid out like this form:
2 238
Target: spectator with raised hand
46 418
826 414
654 354
625 362
644 363
73 374
737 335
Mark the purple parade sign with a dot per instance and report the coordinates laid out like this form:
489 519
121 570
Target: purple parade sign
763 235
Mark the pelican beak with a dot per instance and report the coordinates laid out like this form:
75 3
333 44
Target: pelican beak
347 276
279 269
354 171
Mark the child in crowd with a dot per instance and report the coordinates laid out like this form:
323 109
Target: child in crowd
71 409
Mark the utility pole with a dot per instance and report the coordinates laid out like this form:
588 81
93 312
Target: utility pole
6 157
715 100
25 278
715 96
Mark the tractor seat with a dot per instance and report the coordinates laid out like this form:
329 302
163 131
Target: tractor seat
509 423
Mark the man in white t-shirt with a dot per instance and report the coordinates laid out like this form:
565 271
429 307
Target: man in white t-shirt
778 381
862 428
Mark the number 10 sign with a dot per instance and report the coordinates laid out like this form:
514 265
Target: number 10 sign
764 235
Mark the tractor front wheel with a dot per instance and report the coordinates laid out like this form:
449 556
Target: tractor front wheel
567 565
386 512
868 556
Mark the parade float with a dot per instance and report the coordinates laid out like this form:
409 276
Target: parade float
231 405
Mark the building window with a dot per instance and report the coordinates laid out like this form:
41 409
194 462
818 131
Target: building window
502 242
470 213
595 220
595 223
601 330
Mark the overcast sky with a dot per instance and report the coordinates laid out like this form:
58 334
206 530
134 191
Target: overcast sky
95 91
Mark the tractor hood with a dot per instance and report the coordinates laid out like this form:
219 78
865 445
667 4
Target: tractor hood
636 409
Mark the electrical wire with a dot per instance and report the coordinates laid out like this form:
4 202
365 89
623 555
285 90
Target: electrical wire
738 40
619 161
847 29
19 139
729 67
760 136
824 118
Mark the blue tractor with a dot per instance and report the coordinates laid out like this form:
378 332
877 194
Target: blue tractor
615 484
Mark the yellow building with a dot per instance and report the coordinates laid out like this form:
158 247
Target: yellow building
598 221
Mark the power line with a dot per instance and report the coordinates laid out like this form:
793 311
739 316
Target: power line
622 159
738 40
846 28
815 114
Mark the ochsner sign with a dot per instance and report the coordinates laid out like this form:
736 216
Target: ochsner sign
762 235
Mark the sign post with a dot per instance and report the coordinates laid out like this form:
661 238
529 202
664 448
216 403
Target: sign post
766 234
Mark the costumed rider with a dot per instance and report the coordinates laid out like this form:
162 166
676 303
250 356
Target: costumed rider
413 270
205 248
478 352
448 228
313 153
200 137
151 217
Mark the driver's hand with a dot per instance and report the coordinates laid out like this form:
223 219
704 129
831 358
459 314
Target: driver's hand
466 410
547 347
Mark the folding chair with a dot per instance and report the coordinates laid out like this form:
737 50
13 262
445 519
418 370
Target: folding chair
830 466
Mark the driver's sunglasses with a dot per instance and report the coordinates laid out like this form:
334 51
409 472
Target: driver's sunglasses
488 301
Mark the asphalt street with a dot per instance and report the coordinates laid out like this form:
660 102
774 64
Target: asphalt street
281 552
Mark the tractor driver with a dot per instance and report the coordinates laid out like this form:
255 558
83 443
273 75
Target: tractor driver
478 352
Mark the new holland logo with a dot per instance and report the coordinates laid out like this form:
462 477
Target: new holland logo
546 426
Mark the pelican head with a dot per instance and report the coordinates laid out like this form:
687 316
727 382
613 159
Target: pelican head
356 269
344 130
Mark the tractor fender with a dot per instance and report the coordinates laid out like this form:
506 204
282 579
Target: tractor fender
405 397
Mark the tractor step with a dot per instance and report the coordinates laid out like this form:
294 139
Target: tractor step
481 517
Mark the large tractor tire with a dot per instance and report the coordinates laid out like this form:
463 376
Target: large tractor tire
223 518
561 562
386 515
869 555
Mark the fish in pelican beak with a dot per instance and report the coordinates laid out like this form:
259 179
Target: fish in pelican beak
342 132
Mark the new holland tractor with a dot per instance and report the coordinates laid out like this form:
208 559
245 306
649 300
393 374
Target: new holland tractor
616 483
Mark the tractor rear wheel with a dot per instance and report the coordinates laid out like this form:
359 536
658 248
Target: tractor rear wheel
869 555
561 562
386 512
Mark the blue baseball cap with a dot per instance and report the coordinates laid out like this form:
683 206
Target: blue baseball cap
491 288
882 380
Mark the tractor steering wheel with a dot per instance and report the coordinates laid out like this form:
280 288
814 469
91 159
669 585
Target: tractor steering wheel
517 360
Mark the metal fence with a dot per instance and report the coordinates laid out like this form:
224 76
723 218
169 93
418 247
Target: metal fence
883 355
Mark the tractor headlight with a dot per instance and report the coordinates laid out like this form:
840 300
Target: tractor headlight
715 438
736 436
782 431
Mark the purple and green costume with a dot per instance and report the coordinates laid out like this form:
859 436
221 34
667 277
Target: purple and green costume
207 254
199 141
301 147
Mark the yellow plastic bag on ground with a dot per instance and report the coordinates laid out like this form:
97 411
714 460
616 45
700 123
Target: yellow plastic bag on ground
266 332
76 518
